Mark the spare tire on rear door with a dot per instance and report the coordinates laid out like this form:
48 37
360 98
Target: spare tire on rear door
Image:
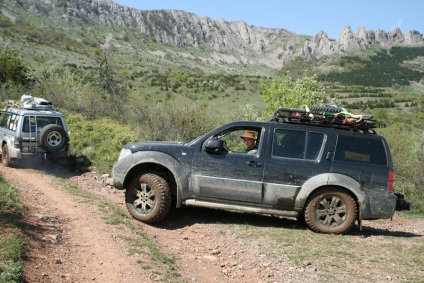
52 138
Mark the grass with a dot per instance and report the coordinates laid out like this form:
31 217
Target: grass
12 249
11 255
367 256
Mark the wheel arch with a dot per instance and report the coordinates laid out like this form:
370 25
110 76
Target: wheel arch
343 182
5 140
163 165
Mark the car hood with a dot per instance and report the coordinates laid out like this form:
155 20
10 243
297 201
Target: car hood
156 146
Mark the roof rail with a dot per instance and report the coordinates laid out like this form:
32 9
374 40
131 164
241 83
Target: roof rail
330 116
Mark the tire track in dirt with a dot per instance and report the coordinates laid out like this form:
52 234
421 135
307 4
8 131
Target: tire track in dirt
70 240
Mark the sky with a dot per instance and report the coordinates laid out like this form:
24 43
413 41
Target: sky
306 17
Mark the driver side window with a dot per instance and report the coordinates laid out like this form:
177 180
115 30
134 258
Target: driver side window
240 140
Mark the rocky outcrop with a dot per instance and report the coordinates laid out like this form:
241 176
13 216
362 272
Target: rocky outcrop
362 39
181 29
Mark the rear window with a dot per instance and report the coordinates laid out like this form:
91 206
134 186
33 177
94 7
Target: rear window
356 149
297 144
36 123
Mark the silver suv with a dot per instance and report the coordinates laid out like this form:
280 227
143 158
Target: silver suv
32 128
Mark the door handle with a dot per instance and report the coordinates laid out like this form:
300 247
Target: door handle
253 163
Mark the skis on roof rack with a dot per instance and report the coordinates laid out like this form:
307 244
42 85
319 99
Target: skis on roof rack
326 116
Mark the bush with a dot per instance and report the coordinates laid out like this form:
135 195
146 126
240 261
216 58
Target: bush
406 144
8 197
12 68
100 140
11 244
288 93
172 122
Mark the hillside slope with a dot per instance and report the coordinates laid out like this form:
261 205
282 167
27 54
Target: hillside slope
170 34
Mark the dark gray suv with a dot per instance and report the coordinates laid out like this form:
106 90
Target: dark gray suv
32 128
327 176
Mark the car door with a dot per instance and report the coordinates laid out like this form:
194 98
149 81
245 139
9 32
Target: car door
5 119
296 155
2 127
230 175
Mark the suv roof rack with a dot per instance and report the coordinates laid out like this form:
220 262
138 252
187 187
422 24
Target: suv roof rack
331 116
30 102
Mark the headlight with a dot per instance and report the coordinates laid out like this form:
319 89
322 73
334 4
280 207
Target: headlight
124 153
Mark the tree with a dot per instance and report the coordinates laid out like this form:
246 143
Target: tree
107 75
12 68
288 93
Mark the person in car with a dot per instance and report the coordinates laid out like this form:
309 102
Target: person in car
249 139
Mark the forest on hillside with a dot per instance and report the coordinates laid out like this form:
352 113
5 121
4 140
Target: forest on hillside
384 69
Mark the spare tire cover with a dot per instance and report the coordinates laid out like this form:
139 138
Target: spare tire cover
52 138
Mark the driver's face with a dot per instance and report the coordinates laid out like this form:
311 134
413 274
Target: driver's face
248 142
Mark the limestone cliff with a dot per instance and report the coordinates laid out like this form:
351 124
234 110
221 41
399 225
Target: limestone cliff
181 29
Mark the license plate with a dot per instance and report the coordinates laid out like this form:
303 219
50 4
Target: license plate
30 144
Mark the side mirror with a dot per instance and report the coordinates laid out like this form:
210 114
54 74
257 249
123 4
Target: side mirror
214 146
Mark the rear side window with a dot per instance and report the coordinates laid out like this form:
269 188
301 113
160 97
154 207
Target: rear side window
356 149
9 121
297 144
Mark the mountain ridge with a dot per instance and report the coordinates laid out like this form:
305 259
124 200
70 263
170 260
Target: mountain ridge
182 29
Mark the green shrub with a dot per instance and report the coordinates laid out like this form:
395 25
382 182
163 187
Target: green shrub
10 271
11 244
406 145
8 197
13 69
100 140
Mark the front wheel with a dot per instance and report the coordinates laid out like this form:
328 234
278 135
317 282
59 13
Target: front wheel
148 198
331 211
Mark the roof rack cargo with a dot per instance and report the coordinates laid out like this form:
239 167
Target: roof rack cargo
330 115
30 102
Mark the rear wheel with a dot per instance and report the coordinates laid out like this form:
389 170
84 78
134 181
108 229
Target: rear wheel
331 211
148 198
5 159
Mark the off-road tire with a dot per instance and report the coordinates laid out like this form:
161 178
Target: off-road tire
5 159
52 138
325 109
331 210
148 198
301 219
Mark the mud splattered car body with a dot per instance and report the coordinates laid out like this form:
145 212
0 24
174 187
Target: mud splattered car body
328 177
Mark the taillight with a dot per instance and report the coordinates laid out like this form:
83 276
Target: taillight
390 184
17 143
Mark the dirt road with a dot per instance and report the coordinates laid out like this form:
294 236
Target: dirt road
72 239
